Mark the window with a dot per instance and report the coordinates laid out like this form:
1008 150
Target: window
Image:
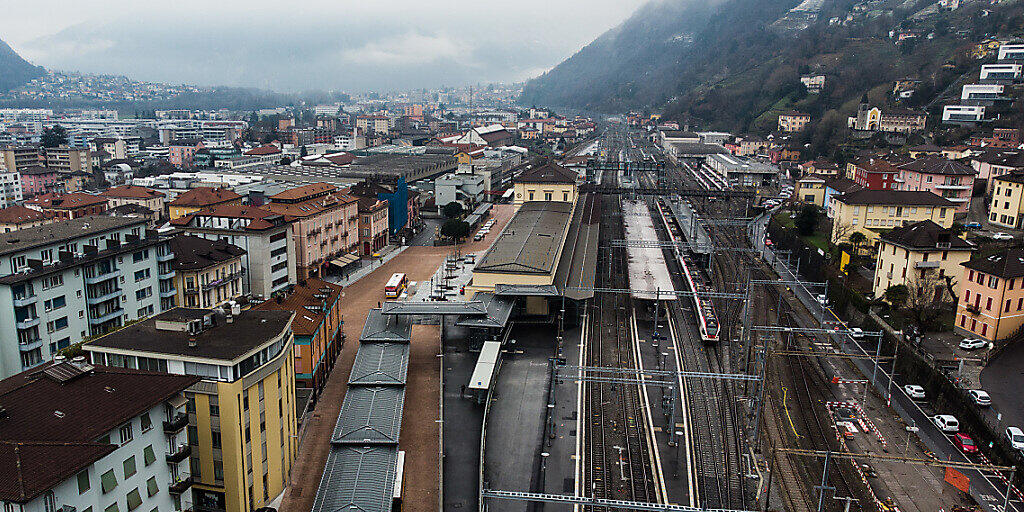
280 236
214 409
49 502
215 439
531 195
988 304
218 470
547 196
53 281
280 251
143 293
148 456
151 486
134 499
55 303
141 274
565 196
126 433
140 255
83 481
57 325
108 481
129 467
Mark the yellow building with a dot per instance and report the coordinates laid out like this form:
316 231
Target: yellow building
242 425
991 300
1007 206
810 190
873 211
550 182
207 273
198 198
921 255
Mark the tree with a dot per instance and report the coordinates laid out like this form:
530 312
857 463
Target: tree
455 228
807 220
857 238
54 137
303 152
452 210
897 295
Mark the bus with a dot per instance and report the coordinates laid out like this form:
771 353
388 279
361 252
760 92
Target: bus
396 285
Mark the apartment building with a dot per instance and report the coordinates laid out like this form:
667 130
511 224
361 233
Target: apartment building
793 121
19 158
875 119
873 173
373 225
90 438
871 211
325 225
37 180
13 218
208 273
550 182
991 303
198 198
68 206
269 259
1007 206
376 124
1000 72
921 255
994 163
950 179
182 152
148 198
810 189
957 114
67 159
65 281
10 188
317 328
241 415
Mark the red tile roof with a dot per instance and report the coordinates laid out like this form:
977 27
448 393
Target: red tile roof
19 215
266 149
306 321
68 201
132 192
260 218
205 196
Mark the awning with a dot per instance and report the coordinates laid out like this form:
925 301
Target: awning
345 260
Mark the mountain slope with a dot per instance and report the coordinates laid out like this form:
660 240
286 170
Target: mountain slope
14 70
638 63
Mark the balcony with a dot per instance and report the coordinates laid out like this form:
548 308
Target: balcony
952 187
175 424
179 454
25 300
27 323
181 485
165 257
99 278
926 264
29 346
168 275
168 293
974 310
103 298
106 317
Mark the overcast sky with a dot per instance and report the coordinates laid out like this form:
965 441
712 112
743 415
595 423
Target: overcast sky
309 44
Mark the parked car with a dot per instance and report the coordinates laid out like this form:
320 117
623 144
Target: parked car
946 422
973 225
972 343
857 332
822 299
1002 236
965 443
914 391
1015 436
980 397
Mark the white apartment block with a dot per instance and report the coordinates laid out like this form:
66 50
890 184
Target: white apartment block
10 188
963 113
1001 71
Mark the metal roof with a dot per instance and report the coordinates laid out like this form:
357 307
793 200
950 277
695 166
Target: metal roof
577 267
483 372
380 327
473 307
358 479
380 364
370 415
531 241
526 290
499 309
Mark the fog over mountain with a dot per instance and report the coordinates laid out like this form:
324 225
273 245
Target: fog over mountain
380 45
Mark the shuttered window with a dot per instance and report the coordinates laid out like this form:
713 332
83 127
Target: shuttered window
108 481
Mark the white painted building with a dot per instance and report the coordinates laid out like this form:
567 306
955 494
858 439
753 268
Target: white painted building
10 188
1001 71
963 114
1011 51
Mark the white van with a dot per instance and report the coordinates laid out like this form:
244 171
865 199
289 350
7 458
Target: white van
947 423
1016 437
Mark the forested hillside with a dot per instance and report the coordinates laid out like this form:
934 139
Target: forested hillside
14 70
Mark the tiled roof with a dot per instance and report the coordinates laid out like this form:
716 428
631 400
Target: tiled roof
55 414
20 214
875 165
196 253
1006 264
68 201
894 197
548 173
298 193
925 235
939 165
204 196
132 192
260 218
266 149
306 300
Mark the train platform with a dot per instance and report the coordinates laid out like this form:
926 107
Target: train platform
647 270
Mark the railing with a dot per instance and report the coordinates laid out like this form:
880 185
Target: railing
182 452
103 298
30 345
27 323
165 257
25 300
109 274
974 310
181 485
926 264
106 316
175 424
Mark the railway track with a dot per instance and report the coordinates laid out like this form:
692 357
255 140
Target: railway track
616 437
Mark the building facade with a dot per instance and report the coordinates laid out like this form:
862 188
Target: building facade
872 211
38 180
141 196
793 121
991 302
325 225
65 281
241 415
373 225
1007 206
920 256
208 273
10 189
68 159
198 198
950 179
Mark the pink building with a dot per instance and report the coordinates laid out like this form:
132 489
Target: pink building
182 153
951 179
991 303
325 227
373 225
38 180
